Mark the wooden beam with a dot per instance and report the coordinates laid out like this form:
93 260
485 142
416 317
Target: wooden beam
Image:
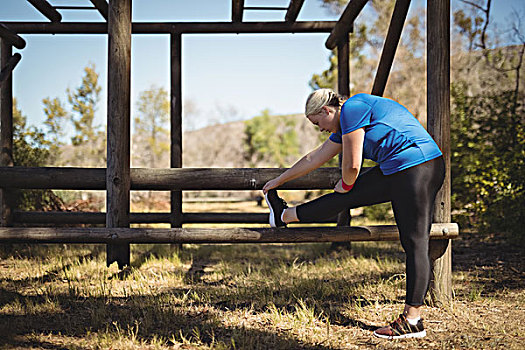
102 7
438 125
176 123
6 132
293 10
46 9
81 218
174 27
213 235
9 67
390 46
343 88
237 10
11 37
118 180
343 68
164 179
345 23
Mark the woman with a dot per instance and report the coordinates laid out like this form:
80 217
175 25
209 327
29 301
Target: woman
410 172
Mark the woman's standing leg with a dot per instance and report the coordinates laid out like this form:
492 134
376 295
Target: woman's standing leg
413 201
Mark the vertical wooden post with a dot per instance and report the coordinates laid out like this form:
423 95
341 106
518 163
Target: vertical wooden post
118 143
438 125
343 88
6 131
176 122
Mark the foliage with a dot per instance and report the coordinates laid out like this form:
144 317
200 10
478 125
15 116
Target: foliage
488 153
56 116
88 139
378 212
30 148
151 127
271 140
366 43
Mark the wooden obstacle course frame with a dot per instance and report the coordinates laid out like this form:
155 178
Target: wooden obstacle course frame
119 179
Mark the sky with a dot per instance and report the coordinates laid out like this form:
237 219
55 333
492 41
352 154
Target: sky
225 76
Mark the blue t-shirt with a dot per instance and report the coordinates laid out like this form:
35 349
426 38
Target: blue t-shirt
394 138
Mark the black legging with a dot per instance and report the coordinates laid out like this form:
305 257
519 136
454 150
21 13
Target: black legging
412 192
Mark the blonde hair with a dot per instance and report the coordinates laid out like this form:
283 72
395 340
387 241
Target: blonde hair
320 98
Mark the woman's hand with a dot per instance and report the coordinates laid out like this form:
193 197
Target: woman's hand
339 187
271 184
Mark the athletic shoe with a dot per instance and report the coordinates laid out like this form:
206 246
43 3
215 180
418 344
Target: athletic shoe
277 206
401 328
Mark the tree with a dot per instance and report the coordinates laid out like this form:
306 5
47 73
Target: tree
366 42
56 117
151 127
30 149
269 140
88 139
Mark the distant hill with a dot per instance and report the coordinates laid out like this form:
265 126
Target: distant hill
223 145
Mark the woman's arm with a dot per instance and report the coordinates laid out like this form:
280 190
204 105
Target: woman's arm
352 157
306 164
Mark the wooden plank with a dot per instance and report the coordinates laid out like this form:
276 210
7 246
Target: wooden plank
237 10
174 27
390 46
6 132
345 23
438 125
9 67
293 10
118 179
102 7
80 218
11 37
213 235
46 9
163 179
176 123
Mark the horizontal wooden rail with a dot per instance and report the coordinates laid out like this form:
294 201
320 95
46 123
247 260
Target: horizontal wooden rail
81 218
174 27
163 179
213 235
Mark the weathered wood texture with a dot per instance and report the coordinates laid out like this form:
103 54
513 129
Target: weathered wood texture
176 123
438 125
102 7
118 180
6 132
164 179
213 235
343 68
345 23
46 9
293 10
173 27
390 46
8 68
11 37
343 88
80 218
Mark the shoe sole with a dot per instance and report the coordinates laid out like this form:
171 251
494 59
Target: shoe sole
272 218
421 334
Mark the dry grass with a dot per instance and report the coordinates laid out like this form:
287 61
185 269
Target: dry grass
302 296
